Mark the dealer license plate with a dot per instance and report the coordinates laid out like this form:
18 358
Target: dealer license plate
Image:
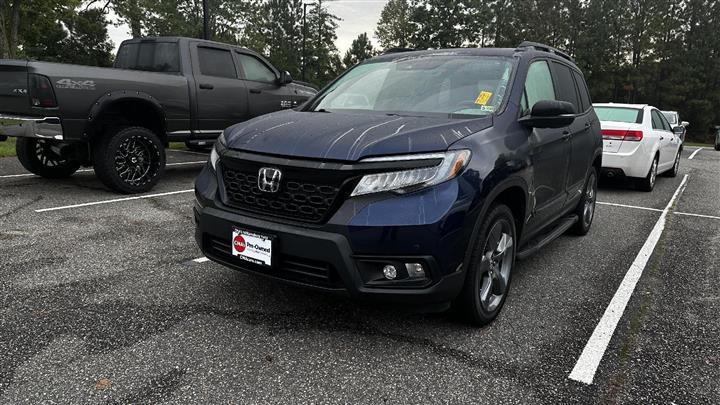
252 247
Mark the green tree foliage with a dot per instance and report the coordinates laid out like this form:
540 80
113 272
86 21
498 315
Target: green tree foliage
360 50
394 28
661 52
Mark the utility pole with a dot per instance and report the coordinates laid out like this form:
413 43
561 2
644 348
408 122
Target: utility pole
206 19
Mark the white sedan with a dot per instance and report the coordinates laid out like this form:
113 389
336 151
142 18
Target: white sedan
638 142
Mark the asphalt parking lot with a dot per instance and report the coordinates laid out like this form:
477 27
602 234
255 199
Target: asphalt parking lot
103 303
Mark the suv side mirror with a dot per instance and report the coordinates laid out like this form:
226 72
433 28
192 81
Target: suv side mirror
685 123
679 130
285 78
549 114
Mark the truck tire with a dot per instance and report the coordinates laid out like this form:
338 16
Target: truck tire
586 207
129 160
43 157
487 281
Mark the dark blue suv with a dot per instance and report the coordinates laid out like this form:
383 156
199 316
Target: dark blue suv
415 177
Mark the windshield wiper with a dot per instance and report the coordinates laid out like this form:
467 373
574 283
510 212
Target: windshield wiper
403 115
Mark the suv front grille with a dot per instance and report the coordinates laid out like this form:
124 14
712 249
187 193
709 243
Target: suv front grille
307 195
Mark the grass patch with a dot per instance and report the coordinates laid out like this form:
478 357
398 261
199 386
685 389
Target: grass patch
7 148
698 144
177 146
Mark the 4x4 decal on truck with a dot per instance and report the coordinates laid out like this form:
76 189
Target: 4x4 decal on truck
75 84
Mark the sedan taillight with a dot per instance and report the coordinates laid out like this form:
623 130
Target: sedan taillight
41 92
622 135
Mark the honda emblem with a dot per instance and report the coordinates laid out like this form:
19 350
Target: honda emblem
269 179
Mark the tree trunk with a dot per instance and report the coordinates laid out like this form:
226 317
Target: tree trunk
14 26
3 31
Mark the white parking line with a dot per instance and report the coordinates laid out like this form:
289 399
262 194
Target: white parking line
629 206
697 215
201 260
10 176
592 354
139 197
692 155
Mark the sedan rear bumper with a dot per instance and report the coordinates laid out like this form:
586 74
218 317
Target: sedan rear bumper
31 127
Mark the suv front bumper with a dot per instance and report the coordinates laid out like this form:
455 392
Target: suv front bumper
31 127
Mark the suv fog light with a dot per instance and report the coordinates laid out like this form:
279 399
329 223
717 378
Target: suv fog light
415 270
390 272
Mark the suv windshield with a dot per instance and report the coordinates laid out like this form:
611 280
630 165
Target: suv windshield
447 85
149 56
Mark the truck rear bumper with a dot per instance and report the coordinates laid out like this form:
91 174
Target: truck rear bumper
31 127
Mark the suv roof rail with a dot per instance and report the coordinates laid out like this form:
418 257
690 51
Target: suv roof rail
397 50
546 48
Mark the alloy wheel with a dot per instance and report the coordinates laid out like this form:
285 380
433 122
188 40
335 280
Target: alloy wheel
47 156
653 173
135 160
496 265
589 207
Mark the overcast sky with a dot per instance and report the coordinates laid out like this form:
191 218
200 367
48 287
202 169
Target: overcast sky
357 16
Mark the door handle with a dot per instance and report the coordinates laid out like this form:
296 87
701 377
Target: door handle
587 126
206 86
662 137
566 135
255 91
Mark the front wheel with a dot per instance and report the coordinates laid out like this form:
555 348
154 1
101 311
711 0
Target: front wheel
648 182
488 276
131 160
586 207
46 158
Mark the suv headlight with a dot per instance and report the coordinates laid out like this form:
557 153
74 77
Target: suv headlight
453 162
214 155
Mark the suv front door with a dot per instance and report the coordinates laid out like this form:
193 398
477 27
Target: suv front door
265 93
549 148
221 97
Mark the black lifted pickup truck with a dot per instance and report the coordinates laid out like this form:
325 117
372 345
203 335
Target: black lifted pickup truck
120 120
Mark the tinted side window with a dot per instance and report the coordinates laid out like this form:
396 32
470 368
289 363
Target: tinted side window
566 85
216 62
583 90
538 85
255 69
149 56
664 122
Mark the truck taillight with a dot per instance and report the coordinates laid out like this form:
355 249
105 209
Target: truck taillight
622 135
41 92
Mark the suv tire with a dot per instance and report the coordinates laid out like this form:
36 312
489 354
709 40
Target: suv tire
487 281
38 157
129 160
585 210
648 183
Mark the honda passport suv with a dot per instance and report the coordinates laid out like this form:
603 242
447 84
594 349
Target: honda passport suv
414 178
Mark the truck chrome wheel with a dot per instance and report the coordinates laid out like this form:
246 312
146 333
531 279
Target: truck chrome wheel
47 156
134 160
496 265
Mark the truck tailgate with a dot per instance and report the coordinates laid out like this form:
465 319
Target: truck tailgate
13 87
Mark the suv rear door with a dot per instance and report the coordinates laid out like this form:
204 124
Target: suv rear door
265 94
221 97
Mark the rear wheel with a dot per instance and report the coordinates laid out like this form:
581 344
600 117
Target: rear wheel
676 167
488 276
130 160
586 207
648 183
45 158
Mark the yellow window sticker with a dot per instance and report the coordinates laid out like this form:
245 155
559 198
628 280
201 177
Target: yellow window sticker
483 98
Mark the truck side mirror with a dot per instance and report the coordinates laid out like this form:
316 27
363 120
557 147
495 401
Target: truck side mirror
285 78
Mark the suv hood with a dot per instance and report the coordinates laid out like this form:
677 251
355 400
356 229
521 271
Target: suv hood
348 136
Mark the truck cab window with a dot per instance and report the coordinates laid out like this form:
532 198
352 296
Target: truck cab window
255 69
216 62
149 56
